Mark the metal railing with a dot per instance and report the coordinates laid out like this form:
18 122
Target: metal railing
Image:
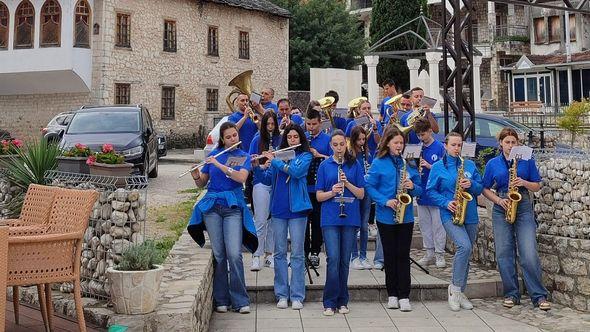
505 31
360 4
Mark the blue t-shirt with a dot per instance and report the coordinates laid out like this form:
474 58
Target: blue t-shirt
371 141
257 172
248 130
327 177
280 199
271 105
218 181
297 119
432 153
321 143
383 108
340 123
497 172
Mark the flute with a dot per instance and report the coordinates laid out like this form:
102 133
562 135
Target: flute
281 150
215 156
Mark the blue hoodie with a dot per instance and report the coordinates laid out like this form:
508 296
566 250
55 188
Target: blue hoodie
442 183
381 184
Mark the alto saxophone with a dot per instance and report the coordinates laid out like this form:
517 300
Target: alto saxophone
402 196
462 197
513 195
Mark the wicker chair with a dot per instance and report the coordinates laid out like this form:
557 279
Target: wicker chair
3 263
49 252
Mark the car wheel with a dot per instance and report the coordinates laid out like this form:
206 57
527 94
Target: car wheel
154 172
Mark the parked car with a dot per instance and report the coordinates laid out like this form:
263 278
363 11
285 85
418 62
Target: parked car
213 136
128 128
57 124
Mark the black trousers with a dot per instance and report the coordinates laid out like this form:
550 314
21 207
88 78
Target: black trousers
372 214
396 240
313 231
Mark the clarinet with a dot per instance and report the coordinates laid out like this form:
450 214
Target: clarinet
342 213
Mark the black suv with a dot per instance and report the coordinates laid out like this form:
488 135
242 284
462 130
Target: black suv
128 128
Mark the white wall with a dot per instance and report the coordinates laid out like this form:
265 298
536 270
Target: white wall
346 82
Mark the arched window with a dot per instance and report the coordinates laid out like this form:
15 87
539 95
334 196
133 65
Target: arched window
50 24
4 17
24 25
82 25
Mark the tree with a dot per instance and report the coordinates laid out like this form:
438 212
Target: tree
322 34
386 16
573 118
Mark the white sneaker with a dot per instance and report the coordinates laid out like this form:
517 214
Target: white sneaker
378 265
343 310
245 309
356 264
366 264
440 260
297 305
329 312
464 302
454 299
283 304
221 308
426 260
269 262
392 303
404 305
255 264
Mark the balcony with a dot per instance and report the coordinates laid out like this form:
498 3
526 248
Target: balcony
518 33
360 4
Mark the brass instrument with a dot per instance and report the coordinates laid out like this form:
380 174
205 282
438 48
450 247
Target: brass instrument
462 197
355 104
242 84
402 196
253 116
340 171
513 195
395 103
325 105
416 114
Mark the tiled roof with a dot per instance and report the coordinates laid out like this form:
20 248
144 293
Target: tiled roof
558 58
258 5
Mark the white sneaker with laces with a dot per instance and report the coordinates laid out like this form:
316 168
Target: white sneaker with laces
283 304
454 299
255 264
464 302
329 312
344 310
392 303
377 265
221 308
366 264
440 260
297 305
356 264
404 305
245 309
428 259
269 262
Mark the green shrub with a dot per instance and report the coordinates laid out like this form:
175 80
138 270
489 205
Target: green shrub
573 118
140 257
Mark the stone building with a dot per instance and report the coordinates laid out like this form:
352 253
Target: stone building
174 56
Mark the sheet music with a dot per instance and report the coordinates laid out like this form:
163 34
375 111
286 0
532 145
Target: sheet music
412 151
468 149
235 161
361 120
285 155
521 152
428 101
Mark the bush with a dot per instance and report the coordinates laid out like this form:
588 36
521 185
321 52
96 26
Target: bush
140 257
573 118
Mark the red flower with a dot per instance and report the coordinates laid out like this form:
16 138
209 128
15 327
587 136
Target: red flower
91 160
106 148
17 142
80 146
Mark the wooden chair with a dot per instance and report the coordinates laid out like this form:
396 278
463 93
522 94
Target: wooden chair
46 253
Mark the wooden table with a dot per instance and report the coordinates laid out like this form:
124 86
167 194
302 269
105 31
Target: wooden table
3 269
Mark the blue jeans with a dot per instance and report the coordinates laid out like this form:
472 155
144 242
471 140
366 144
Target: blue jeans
224 226
463 237
296 229
364 231
520 238
338 241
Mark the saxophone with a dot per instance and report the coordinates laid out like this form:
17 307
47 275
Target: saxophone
402 197
513 195
462 197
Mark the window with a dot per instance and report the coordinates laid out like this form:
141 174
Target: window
540 30
168 103
531 86
486 128
519 89
4 19
212 42
82 25
554 28
572 21
563 90
212 100
169 36
50 24
123 30
25 25
122 93
244 45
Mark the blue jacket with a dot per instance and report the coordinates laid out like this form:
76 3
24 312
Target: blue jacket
442 183
297 170
234 198
381 184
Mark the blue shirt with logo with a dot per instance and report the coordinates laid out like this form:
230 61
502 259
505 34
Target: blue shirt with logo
218 181
497 172
432 153
248 130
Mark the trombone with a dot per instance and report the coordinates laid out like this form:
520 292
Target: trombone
202 163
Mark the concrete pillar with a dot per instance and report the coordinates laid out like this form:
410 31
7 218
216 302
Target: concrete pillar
570 87
492 19
372 61
476 84
434 59
414 66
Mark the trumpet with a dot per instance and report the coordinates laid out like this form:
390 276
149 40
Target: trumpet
201 164
276 151
252 115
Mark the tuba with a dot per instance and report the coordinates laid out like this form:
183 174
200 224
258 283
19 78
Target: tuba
462 197
325 104
242 84
513 195
402 196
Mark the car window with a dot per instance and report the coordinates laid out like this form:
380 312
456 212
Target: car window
104 122
487 128
149 118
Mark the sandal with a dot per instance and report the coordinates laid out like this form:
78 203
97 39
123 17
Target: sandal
544 305
508 302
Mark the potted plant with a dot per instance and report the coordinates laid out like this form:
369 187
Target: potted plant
108 162
74 160
9 150
135 281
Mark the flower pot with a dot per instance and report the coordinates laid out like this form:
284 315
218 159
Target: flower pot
121 171
135 292
73 165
